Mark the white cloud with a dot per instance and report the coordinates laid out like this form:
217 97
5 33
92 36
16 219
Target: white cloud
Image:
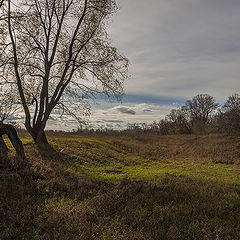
144 113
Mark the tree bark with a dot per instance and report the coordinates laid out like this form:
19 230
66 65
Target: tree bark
39 136
10 131
3 152
42 139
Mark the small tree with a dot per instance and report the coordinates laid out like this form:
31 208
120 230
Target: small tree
59 55
201 107
229 117
232 103
162 127
180 119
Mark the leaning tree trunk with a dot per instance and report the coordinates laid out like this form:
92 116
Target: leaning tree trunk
9 130
3 152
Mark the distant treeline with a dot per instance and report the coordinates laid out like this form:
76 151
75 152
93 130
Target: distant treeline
200 115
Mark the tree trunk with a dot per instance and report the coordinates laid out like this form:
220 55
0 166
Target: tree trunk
39 136
3 152
42 139
10 131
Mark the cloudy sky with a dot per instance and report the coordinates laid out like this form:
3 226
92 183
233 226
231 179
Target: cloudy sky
177 49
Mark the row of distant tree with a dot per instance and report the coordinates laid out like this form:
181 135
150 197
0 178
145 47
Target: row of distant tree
200 115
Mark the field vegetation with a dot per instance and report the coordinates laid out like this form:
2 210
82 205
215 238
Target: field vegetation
135 186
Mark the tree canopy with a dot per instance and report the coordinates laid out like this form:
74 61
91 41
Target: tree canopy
58 54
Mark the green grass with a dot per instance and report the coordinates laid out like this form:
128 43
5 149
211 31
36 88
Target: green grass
134 187
102 159
154 170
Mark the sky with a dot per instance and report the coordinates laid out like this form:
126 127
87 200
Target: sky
177 49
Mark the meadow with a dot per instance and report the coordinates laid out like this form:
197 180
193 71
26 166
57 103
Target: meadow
135 186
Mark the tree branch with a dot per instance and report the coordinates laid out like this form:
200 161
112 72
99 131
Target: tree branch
19 83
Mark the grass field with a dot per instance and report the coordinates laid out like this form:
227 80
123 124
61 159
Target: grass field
123 187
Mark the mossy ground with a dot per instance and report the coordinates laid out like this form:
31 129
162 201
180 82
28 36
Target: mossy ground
124 187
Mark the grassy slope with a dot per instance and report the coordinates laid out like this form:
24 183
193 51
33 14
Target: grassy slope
124 187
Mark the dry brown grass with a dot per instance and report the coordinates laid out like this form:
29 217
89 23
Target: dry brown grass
50 200
215 148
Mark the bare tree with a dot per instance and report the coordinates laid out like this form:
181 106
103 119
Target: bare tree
229 116
59 55
163 127
194 115
232 103
181 120
201 107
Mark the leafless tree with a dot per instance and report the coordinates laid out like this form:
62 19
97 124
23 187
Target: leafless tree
228 119
181 120
201 107
57 53
232 103
162 127
194 116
